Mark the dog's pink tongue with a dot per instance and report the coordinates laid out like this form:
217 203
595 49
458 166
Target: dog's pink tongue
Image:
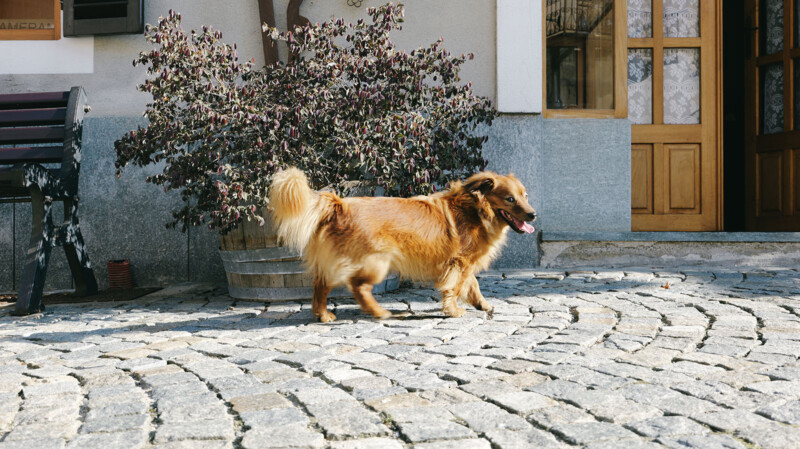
527 228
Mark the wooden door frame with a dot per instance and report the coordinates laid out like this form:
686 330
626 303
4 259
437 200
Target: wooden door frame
720 117
713 59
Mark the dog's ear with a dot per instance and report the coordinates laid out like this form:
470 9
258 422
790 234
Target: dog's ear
480 182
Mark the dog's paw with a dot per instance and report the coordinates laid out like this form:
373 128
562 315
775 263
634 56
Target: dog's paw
454 312
382 315
489 312
326 317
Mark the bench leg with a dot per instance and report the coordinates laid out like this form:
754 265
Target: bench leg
32 281
77 256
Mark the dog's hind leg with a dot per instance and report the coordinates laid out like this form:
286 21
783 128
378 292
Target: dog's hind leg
362 291
319 305
372 272
475 298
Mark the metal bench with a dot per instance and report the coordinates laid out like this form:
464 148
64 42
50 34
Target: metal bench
40 156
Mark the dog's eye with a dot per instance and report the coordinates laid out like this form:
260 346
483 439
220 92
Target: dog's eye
510 199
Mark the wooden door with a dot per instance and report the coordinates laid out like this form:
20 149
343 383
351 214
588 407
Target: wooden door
772 111
673 78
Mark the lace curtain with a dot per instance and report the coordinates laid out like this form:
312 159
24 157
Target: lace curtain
681 18
681 86
640 18
772 95
640 86
772 75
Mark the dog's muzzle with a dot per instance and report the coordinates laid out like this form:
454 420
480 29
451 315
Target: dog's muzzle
518 226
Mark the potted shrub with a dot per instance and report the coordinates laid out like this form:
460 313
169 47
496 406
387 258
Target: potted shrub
350 109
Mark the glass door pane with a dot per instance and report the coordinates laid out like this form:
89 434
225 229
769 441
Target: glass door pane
681 86
771 13
640 18
640 86
771 98
681 18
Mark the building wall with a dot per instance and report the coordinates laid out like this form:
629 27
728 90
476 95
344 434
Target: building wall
124 218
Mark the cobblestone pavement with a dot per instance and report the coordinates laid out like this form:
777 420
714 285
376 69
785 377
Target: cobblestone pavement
582 359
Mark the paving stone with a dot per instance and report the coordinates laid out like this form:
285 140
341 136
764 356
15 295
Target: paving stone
522 439
283 437
452 444
522 402
118 409
351 422
624 444
278 417
788 412
559 414
322 396
43 430
122 440
771 436
667 426
484 417
218 429
434 430
195 444
585 433
259 402
46 443
115 423
702 442
367 443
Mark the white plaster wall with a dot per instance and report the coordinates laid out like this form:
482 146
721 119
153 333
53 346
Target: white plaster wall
519 56
466 25
66 55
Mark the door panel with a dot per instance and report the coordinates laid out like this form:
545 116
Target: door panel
672 103
770 181
684 178
772 119
642 179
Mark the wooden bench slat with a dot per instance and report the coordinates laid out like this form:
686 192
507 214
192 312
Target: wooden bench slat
38 134
31 154
40 99
20 117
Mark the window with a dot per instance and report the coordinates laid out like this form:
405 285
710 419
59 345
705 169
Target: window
84 17
583 70
30 20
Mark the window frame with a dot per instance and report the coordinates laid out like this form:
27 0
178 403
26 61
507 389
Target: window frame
620 70
37 35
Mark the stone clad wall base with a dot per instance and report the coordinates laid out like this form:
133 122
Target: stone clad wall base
609 254
577 173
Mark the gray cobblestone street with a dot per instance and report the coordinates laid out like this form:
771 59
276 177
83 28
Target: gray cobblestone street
593 359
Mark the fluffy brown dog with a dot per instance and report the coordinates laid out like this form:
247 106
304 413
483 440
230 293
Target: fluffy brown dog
446 237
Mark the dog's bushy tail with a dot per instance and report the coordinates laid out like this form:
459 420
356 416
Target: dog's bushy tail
295 214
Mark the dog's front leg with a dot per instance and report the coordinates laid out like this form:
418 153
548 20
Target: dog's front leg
451 285
475 297
319 305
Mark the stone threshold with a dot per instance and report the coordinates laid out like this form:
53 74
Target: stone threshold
729 237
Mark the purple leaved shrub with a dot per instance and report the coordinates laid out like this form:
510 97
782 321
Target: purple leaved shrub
351 110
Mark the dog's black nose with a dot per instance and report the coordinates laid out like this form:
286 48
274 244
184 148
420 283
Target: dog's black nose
532 216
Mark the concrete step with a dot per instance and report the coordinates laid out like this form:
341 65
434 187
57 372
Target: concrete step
670 249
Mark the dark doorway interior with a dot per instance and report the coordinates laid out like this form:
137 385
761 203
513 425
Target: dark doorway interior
734 51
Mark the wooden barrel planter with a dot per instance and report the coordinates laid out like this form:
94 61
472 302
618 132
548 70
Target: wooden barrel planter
258 268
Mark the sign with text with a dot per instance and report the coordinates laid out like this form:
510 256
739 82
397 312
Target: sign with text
30 20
